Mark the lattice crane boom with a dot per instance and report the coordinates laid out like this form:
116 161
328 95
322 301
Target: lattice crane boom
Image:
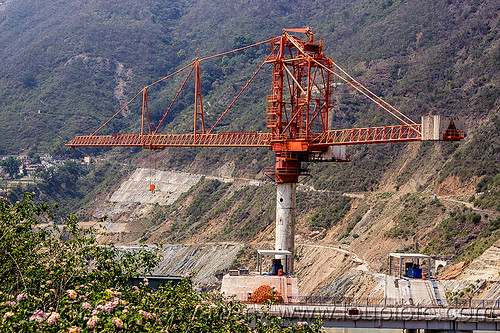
298 110
317 142
298 120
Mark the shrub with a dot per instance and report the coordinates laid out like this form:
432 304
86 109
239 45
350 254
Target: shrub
58 279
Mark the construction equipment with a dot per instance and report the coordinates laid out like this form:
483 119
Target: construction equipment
298 121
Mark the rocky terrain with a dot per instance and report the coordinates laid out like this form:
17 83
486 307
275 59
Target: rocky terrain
325 264
70 65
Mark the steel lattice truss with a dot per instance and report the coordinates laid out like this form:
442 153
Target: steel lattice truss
297 115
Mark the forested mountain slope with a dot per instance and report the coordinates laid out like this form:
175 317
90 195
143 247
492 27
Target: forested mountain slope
67 66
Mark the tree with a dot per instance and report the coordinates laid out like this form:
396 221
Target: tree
11 166
33 247
58 279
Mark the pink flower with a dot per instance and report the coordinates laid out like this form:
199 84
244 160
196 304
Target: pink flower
72 294
118 322
109 306
49 282
38 316
53 318
74 329
95 312
8 314
146 315
21 296
92 321
86 305
10 303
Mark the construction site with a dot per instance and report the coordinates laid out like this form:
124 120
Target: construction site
284 267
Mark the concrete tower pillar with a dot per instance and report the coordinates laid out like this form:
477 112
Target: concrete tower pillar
285 221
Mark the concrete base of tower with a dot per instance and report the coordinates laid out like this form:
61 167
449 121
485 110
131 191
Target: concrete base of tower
285 222
242 287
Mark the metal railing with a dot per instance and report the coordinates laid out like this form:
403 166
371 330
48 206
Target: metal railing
378 302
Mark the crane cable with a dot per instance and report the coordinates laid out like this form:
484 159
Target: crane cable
139 93
241 92
352 82
151 185
373 96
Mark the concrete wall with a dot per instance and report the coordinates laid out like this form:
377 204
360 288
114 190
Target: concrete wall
433 127
241 286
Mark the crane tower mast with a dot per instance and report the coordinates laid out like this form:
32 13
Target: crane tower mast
298 122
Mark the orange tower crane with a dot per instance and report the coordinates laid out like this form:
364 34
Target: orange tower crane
298 112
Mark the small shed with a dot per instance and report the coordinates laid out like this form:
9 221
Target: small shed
411 263
281 253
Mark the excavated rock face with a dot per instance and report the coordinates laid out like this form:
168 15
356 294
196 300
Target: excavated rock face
451 272
169 185
486 266
203 261
355 283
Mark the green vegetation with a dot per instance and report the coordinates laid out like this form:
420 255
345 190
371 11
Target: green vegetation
418 212
405 226
415 164
350 226
11 166
425 56
205 194
464 294
74 185
57 279
489 189
489 236
252 214
243 213
92 60
333 208
479 158
463 235
34 247
245 259
209 193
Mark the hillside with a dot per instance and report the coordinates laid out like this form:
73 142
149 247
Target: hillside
67 66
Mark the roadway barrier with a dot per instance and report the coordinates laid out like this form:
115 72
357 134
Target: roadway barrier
378 302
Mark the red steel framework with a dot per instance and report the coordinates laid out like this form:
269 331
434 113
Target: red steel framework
298 111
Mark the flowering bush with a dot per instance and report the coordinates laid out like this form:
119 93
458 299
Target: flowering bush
57 279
